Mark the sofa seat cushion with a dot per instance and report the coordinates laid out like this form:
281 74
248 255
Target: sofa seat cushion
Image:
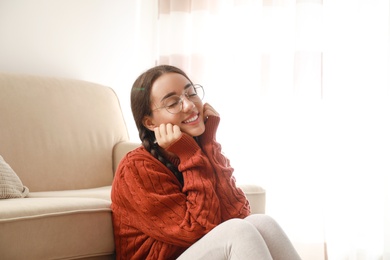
55 228
101 193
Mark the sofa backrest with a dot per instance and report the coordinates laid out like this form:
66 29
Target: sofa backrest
58 134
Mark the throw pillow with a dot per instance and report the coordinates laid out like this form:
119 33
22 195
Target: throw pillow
10 184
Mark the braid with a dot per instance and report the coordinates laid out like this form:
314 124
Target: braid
140 100
152 147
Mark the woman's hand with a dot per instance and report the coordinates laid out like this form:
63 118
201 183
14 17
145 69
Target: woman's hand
210 128
167 134
209 111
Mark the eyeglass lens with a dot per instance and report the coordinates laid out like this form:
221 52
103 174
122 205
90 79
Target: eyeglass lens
174 104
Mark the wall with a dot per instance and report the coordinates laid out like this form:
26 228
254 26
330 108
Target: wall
93 40
98 40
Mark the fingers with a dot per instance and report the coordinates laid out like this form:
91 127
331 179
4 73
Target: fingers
176 131
208 110
164 129
166 134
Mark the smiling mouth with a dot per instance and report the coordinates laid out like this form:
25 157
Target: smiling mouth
192 119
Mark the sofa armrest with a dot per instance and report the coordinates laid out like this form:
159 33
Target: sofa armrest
256 197
120 150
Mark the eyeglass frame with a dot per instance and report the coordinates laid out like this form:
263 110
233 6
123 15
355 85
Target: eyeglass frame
195 86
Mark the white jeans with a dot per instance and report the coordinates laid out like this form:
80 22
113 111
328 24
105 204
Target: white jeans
255 237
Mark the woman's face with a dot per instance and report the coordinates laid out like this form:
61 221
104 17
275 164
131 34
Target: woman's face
189 119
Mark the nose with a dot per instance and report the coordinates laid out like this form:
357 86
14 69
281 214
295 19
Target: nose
187 104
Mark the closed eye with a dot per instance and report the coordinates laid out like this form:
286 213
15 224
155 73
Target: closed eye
172 102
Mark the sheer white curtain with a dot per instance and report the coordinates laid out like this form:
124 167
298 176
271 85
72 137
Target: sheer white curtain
303 90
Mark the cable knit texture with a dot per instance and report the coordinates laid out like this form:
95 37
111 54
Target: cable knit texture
154 217
10 185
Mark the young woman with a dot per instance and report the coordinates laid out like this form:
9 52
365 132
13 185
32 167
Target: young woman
175 196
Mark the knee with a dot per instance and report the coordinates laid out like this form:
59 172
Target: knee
261 219
264 224
233 227
244 241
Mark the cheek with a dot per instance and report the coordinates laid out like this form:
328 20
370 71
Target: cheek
199 106
174 119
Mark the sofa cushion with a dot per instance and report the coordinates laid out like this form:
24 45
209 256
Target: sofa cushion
10 184
100 193
55 228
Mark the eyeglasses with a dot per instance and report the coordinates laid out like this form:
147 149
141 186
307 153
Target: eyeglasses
174 104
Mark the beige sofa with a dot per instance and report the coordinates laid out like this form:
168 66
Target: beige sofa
61 140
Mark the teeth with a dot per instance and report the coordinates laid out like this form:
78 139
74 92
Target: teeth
191 119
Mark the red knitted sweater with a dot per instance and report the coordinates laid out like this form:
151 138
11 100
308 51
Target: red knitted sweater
154 216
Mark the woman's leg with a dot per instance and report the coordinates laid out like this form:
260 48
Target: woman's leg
232 239
277 241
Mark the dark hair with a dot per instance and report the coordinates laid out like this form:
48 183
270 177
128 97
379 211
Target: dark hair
141 107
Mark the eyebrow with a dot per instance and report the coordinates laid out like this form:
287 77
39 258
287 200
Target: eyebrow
174 93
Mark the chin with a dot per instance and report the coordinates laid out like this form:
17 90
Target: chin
196 132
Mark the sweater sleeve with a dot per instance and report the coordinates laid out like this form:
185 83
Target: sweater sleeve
234 203
155 202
